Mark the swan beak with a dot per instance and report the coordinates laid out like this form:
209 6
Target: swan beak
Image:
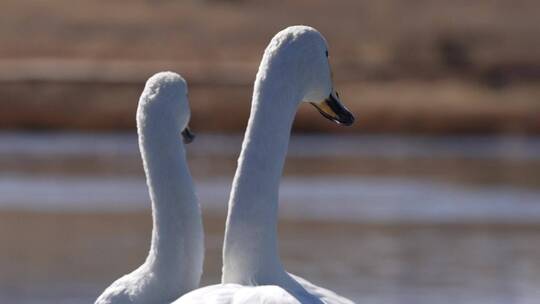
334 110
187 136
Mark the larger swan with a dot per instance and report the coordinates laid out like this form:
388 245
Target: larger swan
294 68
174 263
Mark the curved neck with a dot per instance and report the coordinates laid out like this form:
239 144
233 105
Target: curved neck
175 255
250 251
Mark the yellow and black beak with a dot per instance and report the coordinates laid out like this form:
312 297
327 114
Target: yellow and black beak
334 110
187 135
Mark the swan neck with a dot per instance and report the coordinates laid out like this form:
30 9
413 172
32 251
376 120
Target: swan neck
251 246
176 247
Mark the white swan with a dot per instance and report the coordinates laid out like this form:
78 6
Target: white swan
174 263
294 68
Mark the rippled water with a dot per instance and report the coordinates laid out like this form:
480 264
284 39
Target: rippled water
380 219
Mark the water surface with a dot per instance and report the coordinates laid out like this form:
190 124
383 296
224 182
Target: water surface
380 219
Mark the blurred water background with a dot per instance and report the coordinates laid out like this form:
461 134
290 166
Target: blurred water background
433 196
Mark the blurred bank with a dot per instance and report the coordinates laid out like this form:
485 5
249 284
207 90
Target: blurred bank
407 67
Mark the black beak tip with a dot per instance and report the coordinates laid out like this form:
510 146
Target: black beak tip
347 119
187 136
188 140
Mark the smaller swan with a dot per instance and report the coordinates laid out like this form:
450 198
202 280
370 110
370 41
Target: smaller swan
174 263
294 69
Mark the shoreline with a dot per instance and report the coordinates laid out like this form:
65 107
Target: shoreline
86 95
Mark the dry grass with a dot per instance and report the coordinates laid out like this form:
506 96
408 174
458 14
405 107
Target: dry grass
402 66
444 106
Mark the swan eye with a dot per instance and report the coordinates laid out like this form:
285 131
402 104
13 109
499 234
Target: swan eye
327 53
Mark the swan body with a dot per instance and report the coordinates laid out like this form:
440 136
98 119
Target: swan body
294 68
174 263
305 292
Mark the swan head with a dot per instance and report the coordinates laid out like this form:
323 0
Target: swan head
301 53
164 106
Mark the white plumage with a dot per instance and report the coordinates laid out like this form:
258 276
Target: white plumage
174 263
294 68
268 294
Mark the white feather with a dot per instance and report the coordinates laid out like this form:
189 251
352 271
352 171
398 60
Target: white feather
294 68
174 263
